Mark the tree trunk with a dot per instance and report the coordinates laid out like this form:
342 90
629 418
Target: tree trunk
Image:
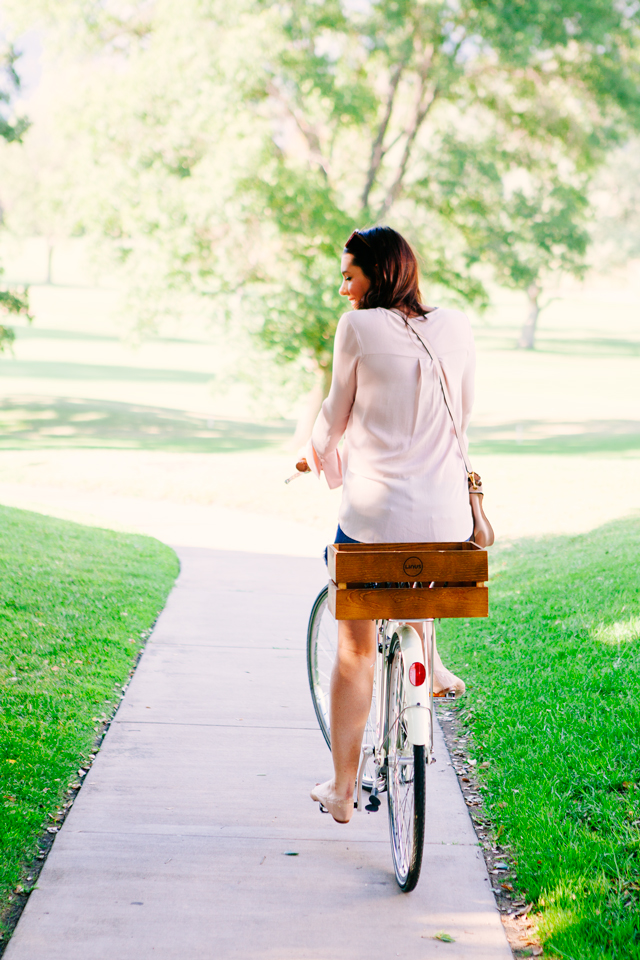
528 333
312 406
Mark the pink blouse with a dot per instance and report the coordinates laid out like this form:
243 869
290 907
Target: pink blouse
402 472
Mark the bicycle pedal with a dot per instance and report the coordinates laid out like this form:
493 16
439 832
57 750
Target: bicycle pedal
373 805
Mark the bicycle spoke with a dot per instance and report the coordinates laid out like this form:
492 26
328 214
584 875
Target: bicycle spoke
405 781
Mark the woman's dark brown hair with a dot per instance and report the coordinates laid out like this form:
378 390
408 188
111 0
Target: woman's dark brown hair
390 264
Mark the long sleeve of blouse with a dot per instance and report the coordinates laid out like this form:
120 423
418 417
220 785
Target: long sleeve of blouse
322 449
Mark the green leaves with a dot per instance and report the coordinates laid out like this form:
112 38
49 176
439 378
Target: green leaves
514 211
12 129
227 154
444 937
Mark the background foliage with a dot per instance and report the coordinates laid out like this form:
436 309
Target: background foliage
225 154
12 128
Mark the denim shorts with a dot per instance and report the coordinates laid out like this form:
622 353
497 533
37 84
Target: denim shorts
341 537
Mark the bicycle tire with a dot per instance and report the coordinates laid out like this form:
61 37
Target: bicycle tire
406 782
322 645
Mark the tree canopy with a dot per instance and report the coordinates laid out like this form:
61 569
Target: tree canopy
232 151
12 128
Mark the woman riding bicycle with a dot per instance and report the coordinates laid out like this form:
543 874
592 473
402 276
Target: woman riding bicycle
403 477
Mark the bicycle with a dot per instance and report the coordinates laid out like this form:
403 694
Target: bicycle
398 740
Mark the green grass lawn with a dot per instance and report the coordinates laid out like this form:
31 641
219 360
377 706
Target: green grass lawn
76 606
554 706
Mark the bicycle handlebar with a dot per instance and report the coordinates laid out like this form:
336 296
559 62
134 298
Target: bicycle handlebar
302 467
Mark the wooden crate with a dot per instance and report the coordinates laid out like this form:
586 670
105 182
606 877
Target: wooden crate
376 581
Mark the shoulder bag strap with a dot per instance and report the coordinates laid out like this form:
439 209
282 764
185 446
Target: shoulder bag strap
447 399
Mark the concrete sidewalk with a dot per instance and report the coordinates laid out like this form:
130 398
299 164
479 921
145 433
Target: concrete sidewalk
176 848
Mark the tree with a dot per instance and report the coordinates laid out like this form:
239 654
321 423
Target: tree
534 92
551 238
234 150
616 202
528 229
12 129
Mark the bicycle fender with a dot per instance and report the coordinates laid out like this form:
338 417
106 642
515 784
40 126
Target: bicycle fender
417 712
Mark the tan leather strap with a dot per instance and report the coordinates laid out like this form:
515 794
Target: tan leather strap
447 399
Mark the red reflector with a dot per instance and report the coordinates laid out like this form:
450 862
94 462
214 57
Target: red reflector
417 674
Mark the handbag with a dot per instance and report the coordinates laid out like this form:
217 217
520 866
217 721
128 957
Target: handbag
483 534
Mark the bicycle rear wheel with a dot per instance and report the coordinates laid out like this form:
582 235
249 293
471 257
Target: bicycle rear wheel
322 647
406 781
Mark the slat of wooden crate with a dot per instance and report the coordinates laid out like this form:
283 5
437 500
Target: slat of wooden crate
453 545
405 604
377 566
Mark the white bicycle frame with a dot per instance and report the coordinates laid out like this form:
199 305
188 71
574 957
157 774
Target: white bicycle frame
418 705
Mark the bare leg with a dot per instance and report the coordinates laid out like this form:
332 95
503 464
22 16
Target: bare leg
351 688
443 679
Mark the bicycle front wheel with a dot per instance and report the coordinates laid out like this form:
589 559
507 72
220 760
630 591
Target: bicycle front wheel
406 781
322 649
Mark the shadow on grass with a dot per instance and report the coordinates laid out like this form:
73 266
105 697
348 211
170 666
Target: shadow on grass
503 338
51 333
589 347
553 707
43 422
62 370
544 437
54 333
37 422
